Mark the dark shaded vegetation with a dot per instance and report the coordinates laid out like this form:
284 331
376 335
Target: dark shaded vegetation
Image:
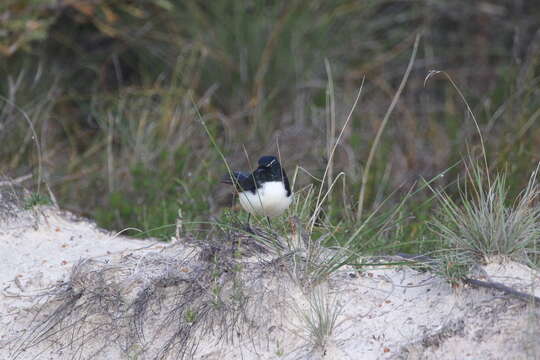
112 89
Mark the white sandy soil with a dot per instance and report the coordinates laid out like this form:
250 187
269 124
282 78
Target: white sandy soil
386 312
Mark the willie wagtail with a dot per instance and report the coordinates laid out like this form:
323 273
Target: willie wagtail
266 191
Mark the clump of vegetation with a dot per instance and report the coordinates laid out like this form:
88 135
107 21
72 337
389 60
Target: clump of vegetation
484 222
319 319
36 199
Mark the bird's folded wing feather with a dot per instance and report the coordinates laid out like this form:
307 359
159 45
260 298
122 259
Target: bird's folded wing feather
242 181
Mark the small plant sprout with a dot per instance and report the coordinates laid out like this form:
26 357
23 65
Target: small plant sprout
279 351
190 316
320 318
36 199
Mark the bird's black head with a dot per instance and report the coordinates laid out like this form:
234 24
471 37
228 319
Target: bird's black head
269 169
268 162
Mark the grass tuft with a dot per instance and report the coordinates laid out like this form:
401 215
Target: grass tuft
320 318
36 199
485 222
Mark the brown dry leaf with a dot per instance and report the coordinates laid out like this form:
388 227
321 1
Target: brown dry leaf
110 15
83 7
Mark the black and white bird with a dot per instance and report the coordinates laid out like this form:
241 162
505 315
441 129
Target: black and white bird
266 191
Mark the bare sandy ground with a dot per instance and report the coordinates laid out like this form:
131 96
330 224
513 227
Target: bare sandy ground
385 312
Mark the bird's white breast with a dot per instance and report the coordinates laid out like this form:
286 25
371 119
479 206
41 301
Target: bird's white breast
269 200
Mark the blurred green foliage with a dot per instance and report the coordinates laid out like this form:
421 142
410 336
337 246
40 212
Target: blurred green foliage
111 87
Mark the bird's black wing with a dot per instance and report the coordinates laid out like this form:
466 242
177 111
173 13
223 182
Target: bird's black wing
246 182
286 182
242 181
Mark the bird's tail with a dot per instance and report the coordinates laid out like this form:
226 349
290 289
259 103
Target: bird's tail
231 178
